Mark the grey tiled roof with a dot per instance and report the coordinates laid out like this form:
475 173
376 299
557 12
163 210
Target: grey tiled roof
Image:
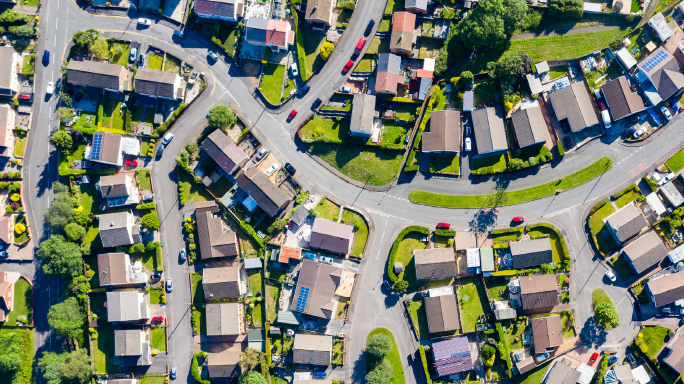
221 283
113 185
260 188
300 215
489 128
6 57
531 252
95 74
312 349
573 103
156 83
442 313
331 236
645 251
214 243
127 342
529 126
435 264
223 151
665 76
620 99
223 319
363 109
667 289
627 222
114 231
563 373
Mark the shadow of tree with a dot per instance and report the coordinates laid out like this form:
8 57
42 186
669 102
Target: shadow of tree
358 370
592 333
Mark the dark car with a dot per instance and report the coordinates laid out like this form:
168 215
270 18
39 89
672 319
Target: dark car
568 142
46 57
565 127
316 104
160 151
369 28
288 167
387 286
628 133
304 89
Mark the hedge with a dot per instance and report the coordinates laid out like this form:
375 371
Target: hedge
151 205
445 232
630 188
561 150
566 262
402 100
410 167
161 129
507 272
506 230
503 348
267 328
194 369
423 358
395 248
160 262
651 183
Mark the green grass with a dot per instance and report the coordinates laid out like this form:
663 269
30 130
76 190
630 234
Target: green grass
275 273
605 242
143 178
29 65
599 296
448 164
496 162
486 93
90 199
416 310
394 6
410 243
494 285
430 48
374 166
514 331
377 46
558 71
193 192
676 162
473 302
155 296
104 351
153 379
628 197
406 110
556 242
393 358
159 338
568 332
121 59
272 82
19 143
394 134
344 17
23 299
311 43
654 337
199 318
534 376
155 61
172 64
271 302
513 197
509 234
289 86
112 117
20 239
347 99
338 352
326 209
255 282
641 294
623 268
385 24
324 130
24 374
197 288
361 235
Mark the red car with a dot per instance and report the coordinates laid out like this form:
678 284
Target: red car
519 219
348 66
593 358
292 114
443 226
602 105
158 318
359 45
24 97
132 162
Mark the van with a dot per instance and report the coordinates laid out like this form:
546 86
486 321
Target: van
605 115
304 89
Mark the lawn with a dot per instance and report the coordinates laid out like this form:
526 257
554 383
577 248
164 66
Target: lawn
676 162
406 110
568 332
97 305
326 209
604 239
255 282
142 176
112 116
120 58
416 310
514 335
272 82
385 24
172 64
497 289
271 302
197 288
29 65
655 337
24 337
430 48
199 319
346 99
23 299
377 46
20 239
534 376
622 267
558 71
366 63
393 357
193 192
361 235
556 241
282 346
104 351
641 294
374 166
155 61
90 199
394 6
486 93
495 162
324 130
159 338
145 114
410 243
448 164
276 274
310 43
394 134
338 352
514 197
153 379
19 142
156 295
631 193
473 303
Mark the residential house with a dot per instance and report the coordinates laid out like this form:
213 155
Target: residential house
224 283
563 373
435 263
675 353
538 292
220 148
214 241
645 251
624 374
299 216
403 33
442 314
313 350
127 306
274 34
131 348
445 133
315 292
331 236
98 76
666 290
388 74
225 364
224 319
573 104
529 126
490 131
451 356
530 253
6 230
118 190
11 62
547 333
7 124
659 26
6 296
262 191
118 229
416 6
622 102
672 194
161 84
115 270
224 10
319 13
659 77
363 114
109 148
626 223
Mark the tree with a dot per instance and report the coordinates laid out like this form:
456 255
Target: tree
515 164
220 116
76 368
100 48
514 15
401 286
25 31
193 149
326 50
607 315
61 211
79 286
490 24
85 38
65 318
118 51
150 221
378 376
378 346
137 248
64 114
49 365
250 358
566 9
10 16
10 351
467 77
62 141
276 227
74 232
65 98
251 377
488 355
58 188
508 68
60 257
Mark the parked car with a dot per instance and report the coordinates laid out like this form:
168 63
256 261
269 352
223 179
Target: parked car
289 168
345 89
272 169
133 163
467 130
424 239
564 126
310 255
568 142
179 34
316 104
628 133
262 152
213 56
3 254
158 318
326 259
319 374
133 55
594 356
24 97
174 371
348 66
387 286
149 197
294 70
182 254
468 144
167 138
610 276
50 88
359 45
141 60
665 112
613 358
369 28
601 105
160 151
304 89
519 219
542 357
144 22
169 285
46 57
292 114
443 226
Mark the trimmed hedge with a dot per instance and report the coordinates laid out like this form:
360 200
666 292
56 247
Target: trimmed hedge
151 205
423 358
194 369
410 167
499 231
651 183
445 232
161 129
561 150
395 248
160 262
630 188
267 327
507 272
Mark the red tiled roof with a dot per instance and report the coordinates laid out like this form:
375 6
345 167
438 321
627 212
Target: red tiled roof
287 254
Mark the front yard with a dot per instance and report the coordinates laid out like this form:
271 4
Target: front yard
374 166
622 267
142 176
324 130
447 164
654 338
311 43
676 162
120 50
472 303
24 236
19 142
272 82
538 231
410 243
604 239
159 338
23 307
416 310
155 61
351 217
326 209
192 191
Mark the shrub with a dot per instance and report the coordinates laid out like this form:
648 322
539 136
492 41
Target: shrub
15 197
19 228
445 232
423 359
151 205
74 231
651 183
561 150
150 221
326 50
379 346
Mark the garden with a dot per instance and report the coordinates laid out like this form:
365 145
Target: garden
17 349
382 357
22 313
272 80
473 303
404 255
361 227
445 164
416 311
603 239
326 209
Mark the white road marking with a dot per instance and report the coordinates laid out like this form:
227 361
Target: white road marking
386 215
383 237
55 40
57 23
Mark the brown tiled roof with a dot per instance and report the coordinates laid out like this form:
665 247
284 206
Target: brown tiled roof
319 10
525 365
627 222
110 149
621 100
312 349
213 241
321 281
224 364
435 264
533 252
156 83
442 313
529 126
403 26
489 129
113 185
538 291
573 103
675 359
445 132
223 151
112 268
547 332
260 188
221 283
95 74
667 289
331 236
645 251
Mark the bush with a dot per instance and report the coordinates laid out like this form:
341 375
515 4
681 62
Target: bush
151 205
137 248
326 50
395 248
15 197
19 228
150 221
652 184
445 232
423 359
561 150
74 231
379 346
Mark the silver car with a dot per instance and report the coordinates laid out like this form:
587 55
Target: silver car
326 259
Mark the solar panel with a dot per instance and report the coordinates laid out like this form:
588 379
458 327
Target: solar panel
97 146
655 60
302 299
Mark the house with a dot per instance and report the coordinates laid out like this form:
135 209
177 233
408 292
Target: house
225 364
490 131
224 10
403 33
131 348
659 26
445 133
224 283
6 296
274 34
675 353
487 261
98 75
228 156
451 356
315 290
563 373
11 62
312 350
529 127
118 190
161 84
442 313
118 229
121 381
672 194
299 216
644 252
626 223
622 102
331 236
288 254
115 270
659 77
109 148
625 58
363 113
416 6
319 13
435 263
666 290
538 291
7 124
388 74
624 374
214 241
127 306
573 103
530 253
547 333
262 191
224 319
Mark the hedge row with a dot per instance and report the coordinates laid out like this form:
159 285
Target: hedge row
194 369
499 231
651 183
395 248
161 129
507 272
151 205
267 327
445 232
423 358
160 262
566 253
561 150
410 167
503 349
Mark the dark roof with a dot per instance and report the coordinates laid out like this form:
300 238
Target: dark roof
95 74
621 100
112 268
127 342
452 356
547 332
563 373
675 359
363 110
110 147
667 289
214 242
223 151
224 364
300 215
260 188
311 349
316 287
403 26
223 8
529 126
445 132
665 75
113 185
645 251
533 252
490 131
538 291
114 229
221 283
573 103
156 83
435 264
627 222
331 236
442 313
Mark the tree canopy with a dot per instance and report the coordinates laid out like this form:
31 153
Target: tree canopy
74 232
379 345
60 257
220 116
61 211
150 221
250 358
10 351
100 48
85 38
63 114
378 376
76 369
49 365
251 377
491 22
62 141
607 315
566 9
65 318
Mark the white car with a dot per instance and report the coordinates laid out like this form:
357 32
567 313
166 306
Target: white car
50 88
272 169
145 22
542 357
167 139
468 144
326 259
213 56
665 112
262 153
345 89
610 276
294 70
